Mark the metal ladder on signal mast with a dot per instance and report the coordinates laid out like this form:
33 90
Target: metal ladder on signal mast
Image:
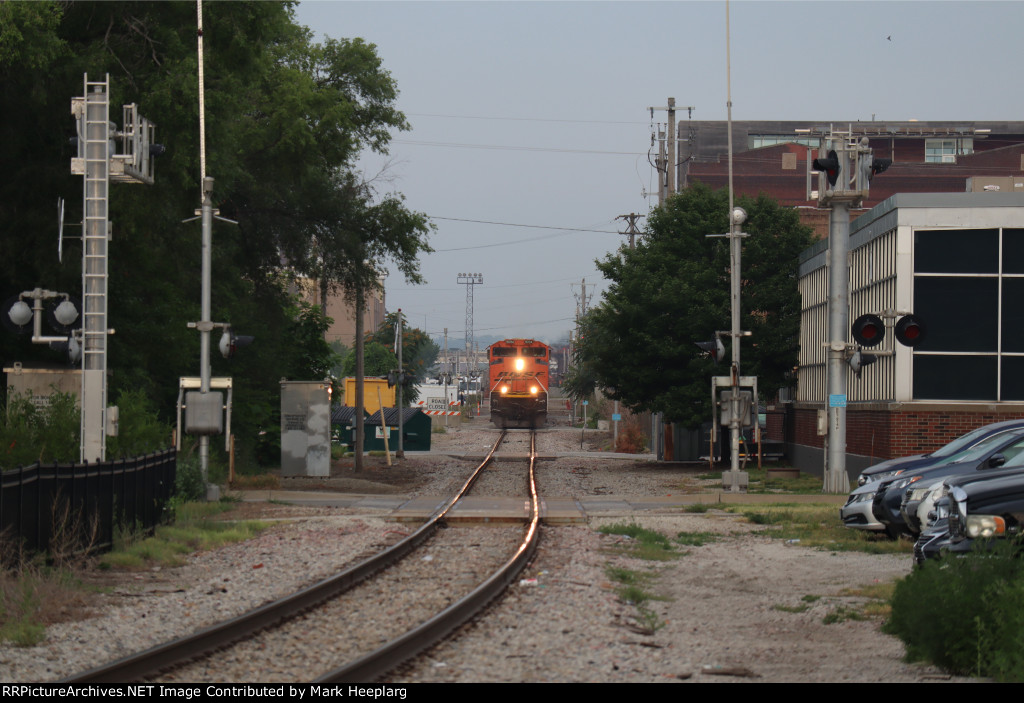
95 234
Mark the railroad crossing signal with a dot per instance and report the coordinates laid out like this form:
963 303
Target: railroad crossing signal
868 330
829 166
714 348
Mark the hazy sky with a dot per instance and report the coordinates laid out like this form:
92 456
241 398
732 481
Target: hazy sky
536 114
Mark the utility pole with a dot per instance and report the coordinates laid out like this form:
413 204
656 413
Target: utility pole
446 374
667 161
400 454
631 230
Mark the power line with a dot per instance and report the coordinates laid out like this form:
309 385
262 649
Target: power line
499 147
521 119
513 224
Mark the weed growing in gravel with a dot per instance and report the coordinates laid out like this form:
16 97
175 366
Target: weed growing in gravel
649 544
803 607
194 529
695 539
697 508
631 591
842 614
819 527
32 596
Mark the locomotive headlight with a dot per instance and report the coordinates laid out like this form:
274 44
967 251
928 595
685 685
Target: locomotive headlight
520 364
533 390
504 390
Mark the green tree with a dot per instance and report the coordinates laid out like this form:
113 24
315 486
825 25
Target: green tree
287 119
378 359
673 290
418 352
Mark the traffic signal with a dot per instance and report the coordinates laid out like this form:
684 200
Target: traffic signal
868 330
829 166
910 331
714 348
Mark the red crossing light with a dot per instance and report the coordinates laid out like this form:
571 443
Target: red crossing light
830 166
910 331
868 330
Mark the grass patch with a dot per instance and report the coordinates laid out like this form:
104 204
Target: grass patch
631 591
697 508
34 595
256 481
695 539
648 544
194 529
819 526
842 614
759 482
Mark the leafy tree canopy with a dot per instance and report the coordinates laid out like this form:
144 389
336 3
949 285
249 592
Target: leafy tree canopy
378 360
673 290
286 120
418 351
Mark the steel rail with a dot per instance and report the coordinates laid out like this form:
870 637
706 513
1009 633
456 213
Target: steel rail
389 656
170 654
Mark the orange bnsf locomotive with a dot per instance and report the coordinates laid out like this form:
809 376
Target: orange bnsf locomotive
518 383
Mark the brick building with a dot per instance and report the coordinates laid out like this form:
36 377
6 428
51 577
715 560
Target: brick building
771 157
341 311
956 260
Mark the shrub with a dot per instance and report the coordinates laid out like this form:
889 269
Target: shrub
188 484
632 439
139 429
47 433
966 615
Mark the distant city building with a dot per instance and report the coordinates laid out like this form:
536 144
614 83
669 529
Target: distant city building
341 311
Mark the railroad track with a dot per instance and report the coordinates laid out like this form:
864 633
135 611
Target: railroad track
304 617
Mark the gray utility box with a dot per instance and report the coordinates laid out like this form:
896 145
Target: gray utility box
305 428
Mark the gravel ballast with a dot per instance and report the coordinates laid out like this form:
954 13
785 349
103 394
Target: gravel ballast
724 611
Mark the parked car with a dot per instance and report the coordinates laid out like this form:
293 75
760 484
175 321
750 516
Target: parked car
985 510
894 467
985 507
918 500
992 452
856 514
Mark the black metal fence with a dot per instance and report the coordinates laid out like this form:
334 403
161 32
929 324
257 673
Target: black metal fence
70 507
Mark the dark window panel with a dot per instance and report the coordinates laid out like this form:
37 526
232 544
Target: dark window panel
1013 250
1013 315
956 251
954 377
1013 378
960 314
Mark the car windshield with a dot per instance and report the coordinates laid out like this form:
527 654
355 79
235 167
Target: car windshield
961 443
981 448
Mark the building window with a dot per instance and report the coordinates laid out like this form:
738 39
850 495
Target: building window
967 284
756 141
945 151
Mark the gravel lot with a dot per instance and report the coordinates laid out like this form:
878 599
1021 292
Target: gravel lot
719 617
